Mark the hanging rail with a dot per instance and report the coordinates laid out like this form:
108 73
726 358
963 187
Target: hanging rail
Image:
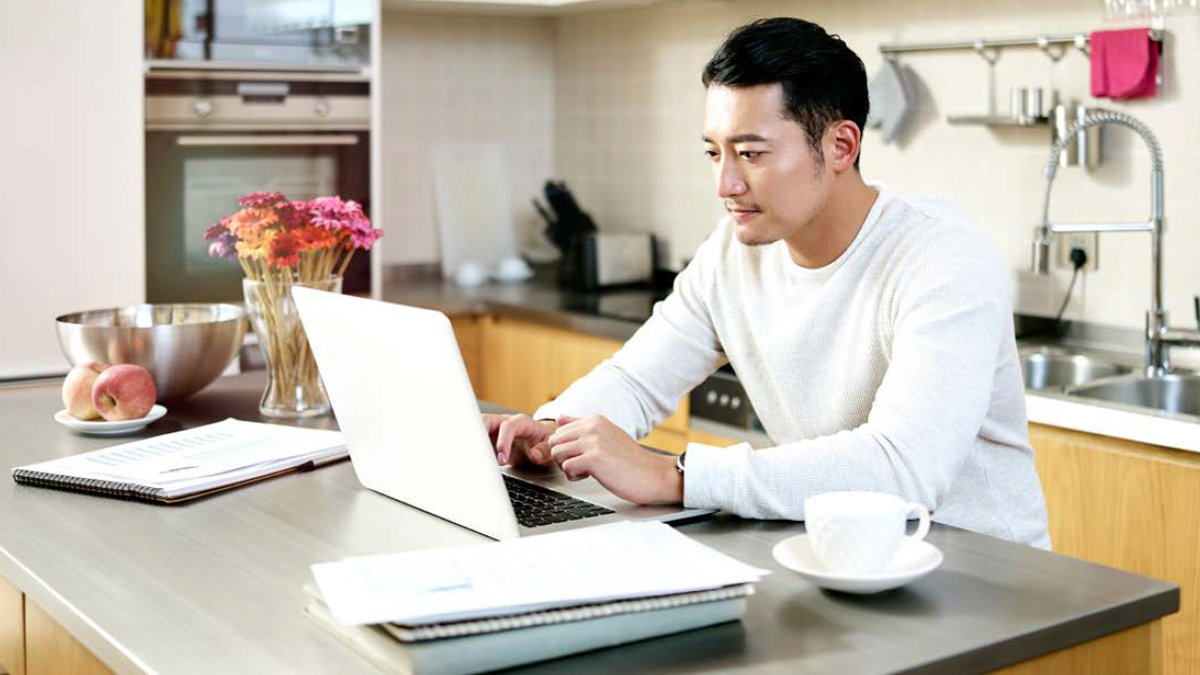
1043 42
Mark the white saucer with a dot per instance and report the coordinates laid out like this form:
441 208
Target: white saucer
103 428
914 560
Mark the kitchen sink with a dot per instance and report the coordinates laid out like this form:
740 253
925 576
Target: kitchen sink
1051 368
1178 394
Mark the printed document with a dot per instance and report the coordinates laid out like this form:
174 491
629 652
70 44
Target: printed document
589 565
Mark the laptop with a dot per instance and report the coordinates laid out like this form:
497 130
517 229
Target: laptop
414 429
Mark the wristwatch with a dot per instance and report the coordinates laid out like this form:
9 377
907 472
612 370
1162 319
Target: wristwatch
679 462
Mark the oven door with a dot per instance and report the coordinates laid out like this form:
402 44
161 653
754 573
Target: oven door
194 179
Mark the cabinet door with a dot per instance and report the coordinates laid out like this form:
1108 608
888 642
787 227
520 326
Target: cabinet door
525 365
77 133
1131 506
52 650
697 436
467 332
12 628
580 353
519 364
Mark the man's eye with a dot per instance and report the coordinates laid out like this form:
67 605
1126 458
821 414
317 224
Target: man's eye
711 154
750 154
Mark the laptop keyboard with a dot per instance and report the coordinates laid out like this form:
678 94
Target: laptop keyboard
536 505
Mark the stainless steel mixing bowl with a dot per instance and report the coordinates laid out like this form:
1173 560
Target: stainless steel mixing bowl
185 347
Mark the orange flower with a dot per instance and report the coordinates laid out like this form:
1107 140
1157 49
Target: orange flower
284 250
248 223
257 246
312 238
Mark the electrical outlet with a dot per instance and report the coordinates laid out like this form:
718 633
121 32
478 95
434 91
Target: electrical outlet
1088 241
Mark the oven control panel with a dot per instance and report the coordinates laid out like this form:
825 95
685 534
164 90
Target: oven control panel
721 398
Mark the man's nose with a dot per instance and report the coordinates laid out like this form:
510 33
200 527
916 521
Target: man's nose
730 182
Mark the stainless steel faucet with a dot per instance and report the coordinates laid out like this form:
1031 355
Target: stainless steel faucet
1159 336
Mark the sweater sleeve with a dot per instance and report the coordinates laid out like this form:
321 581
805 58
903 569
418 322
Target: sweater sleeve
948 316
669 355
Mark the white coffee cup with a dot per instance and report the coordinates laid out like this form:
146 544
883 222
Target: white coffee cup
859 532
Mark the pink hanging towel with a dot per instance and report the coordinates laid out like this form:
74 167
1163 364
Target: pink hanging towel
1124 63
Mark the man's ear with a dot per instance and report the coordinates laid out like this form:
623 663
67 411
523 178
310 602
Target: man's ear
843 141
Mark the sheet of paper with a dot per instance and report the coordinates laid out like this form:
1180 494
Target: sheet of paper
607 562
213 450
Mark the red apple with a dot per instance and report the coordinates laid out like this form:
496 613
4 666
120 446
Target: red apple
77 390
124 392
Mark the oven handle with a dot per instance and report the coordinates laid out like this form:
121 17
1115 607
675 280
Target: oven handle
282 139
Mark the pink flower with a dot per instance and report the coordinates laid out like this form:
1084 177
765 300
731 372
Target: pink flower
262 200
332 213
216 230
365 240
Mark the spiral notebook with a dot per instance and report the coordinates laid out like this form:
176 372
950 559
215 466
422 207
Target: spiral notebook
481 645
190 463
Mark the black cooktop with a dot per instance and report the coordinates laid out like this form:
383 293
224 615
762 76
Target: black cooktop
627 304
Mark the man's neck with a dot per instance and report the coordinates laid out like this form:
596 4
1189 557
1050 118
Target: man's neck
831 232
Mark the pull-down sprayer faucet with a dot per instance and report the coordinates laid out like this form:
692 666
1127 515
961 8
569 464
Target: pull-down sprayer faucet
1159 336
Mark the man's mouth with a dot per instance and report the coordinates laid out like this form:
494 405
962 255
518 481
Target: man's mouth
740 212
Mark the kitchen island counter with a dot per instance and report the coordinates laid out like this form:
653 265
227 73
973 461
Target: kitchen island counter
216 585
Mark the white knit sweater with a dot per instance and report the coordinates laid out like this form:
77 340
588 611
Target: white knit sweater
894 368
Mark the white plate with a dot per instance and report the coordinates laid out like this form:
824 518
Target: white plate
914 560
103 428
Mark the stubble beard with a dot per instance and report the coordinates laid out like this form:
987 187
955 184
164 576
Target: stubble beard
749 239
756 241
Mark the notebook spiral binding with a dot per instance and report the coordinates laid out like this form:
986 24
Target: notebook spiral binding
563 615
99 486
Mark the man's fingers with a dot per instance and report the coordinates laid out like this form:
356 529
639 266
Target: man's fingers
539 453
577 468
569 429
565 451
509 430
491 423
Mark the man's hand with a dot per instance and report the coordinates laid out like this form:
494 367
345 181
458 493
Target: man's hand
518 438
596 447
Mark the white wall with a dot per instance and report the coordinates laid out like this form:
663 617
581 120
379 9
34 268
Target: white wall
629 109
71 182
461 79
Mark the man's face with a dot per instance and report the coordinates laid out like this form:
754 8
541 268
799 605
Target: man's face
767 175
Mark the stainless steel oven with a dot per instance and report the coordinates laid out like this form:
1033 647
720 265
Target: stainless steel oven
719 406
212 136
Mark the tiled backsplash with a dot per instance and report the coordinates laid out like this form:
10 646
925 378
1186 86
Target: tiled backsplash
621 91
454 80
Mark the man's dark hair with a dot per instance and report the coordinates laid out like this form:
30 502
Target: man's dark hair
823 80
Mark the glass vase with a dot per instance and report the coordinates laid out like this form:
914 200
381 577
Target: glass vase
294 388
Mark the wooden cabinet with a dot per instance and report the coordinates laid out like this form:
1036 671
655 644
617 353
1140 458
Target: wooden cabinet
1132 506
31 643
467 332
697 436
50 649
522 365
12 629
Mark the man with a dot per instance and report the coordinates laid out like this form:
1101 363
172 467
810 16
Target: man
873 334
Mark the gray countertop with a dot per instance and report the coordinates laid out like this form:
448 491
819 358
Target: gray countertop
616 314
214 586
